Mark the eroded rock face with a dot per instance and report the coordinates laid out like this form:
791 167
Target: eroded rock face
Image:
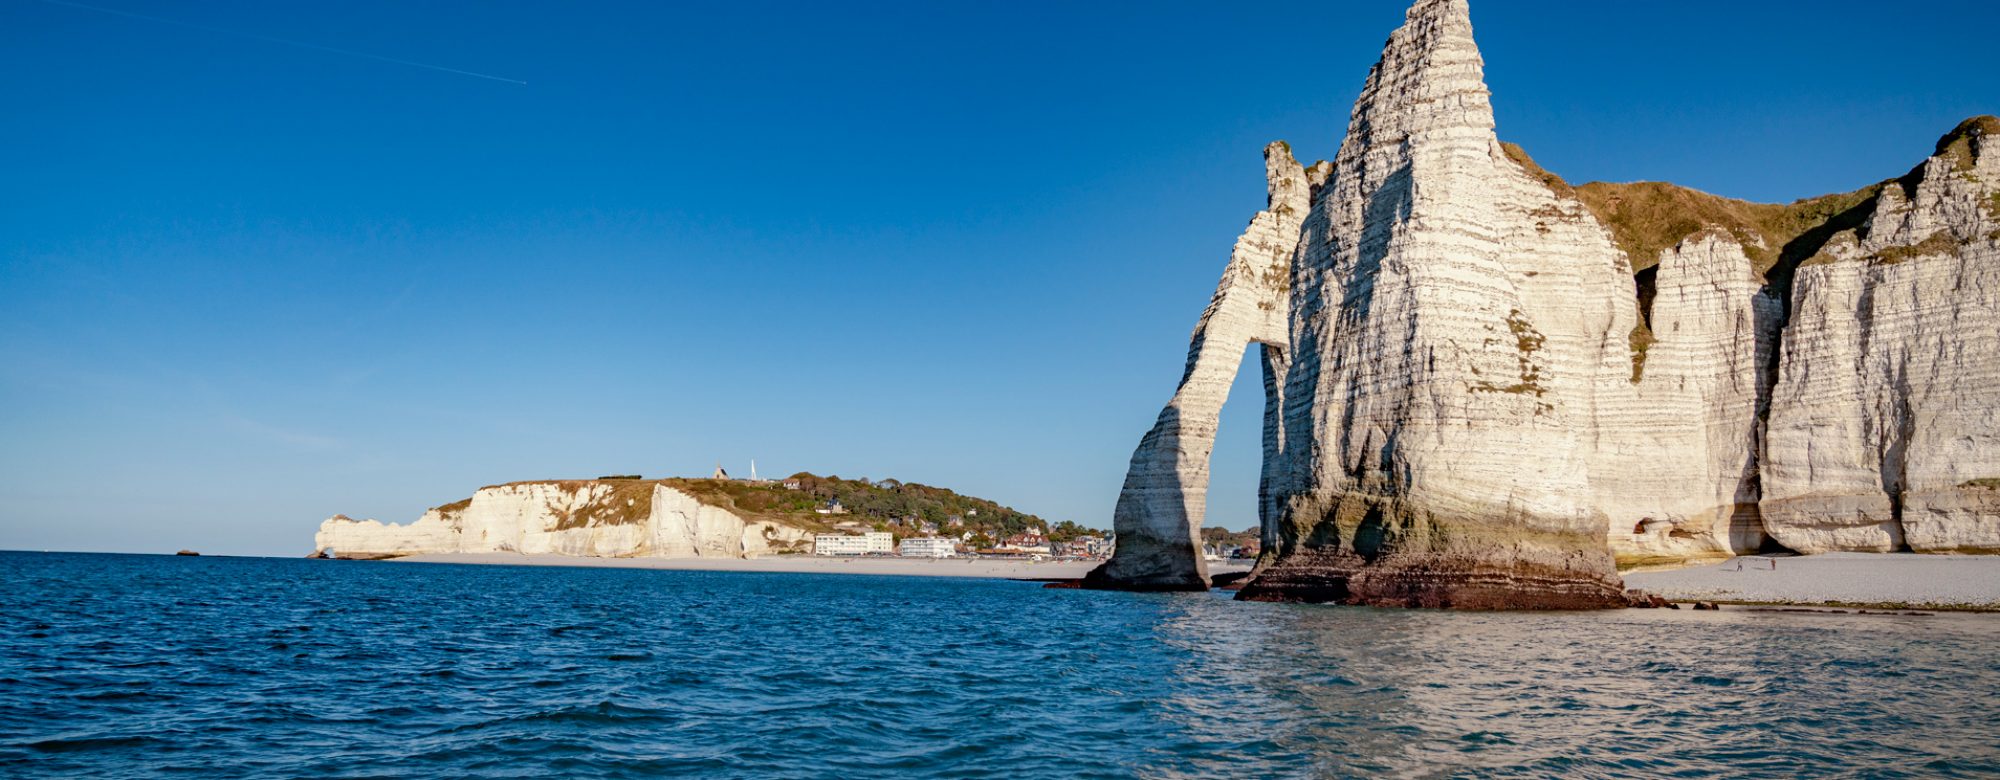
1675 468
584 518
1445 374
1885 424
1483 404
1159 512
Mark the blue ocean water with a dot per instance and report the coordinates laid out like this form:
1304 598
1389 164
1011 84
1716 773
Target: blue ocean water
143 666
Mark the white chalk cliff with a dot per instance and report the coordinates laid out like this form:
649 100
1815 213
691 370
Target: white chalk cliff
577 517
1445 379
1165 496
1491 385
1884 431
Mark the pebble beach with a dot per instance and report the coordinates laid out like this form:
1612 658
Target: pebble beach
1884 579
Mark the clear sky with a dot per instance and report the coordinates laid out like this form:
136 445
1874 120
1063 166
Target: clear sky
246 284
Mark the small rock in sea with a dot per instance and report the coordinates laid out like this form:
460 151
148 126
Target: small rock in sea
1234 580
1708 605
1639 599
187 552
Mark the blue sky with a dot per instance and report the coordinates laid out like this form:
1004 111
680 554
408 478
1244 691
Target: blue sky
245 285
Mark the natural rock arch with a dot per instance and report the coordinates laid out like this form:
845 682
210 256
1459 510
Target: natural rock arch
1160 510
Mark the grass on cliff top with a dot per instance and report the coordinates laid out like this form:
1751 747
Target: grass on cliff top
1958 142
1939 243
1552 181
629 502
869 502
1646 218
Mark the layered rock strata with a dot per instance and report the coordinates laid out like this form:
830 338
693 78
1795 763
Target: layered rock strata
583 518
1484 402
1445 378
1674 466
1884 429
1159 511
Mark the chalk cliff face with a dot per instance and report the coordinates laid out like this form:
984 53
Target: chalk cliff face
1884 429
586 518
1478 403
1159 512
1675 462
1445 380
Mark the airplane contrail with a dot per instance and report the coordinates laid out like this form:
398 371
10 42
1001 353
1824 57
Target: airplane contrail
286 42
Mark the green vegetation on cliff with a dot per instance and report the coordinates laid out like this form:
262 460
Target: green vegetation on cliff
875 503
1647 218
1216 535
889 505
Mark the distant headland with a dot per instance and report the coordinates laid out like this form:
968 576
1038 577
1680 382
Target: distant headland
623 516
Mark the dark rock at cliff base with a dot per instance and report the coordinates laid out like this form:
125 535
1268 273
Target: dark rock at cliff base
1492 387
1101 578
1432 582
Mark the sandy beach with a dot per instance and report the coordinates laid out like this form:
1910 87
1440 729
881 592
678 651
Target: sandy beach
1934 581
992 568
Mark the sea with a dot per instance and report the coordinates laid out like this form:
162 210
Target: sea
158 666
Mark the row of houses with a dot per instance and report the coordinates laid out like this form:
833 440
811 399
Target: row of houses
884 543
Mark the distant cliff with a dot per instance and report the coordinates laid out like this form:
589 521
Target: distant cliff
1490 386
674 518
608 518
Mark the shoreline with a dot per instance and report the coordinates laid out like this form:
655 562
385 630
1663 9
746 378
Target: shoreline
1852 581
1955 583
982 568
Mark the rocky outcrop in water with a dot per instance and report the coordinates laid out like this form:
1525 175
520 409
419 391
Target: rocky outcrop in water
1444 379
615 518
1494 385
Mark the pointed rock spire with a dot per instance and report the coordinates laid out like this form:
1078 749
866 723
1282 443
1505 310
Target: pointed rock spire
1435 327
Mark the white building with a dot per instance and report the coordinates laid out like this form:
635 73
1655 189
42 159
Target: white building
844 544
929 547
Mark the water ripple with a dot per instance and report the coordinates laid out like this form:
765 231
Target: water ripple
140 666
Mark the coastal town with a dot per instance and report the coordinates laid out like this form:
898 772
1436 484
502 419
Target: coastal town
926 540
856 539
1033 544
890 518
